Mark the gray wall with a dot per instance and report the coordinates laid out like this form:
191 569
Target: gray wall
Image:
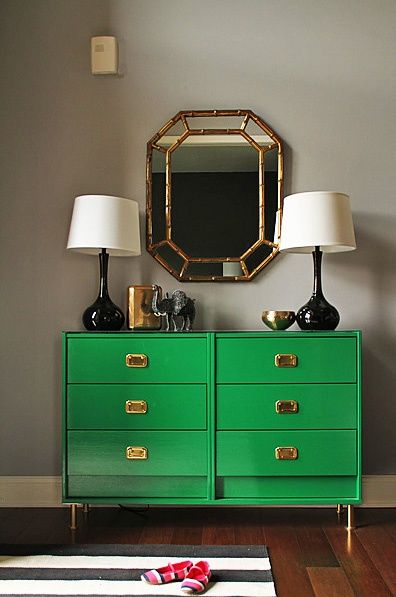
322 74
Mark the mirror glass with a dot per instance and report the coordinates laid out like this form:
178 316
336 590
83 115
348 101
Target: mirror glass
214 188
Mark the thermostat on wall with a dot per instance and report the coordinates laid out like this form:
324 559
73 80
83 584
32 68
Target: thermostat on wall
104 55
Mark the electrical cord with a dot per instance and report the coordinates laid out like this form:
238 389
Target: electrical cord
139 511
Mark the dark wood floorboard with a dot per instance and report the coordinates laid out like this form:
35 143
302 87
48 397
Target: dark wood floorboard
14 521
290 574
250 534
391 528
361 572
315 548
330 582
312 555
222 534
381 547
187 534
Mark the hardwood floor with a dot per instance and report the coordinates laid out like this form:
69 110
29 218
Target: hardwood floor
312 554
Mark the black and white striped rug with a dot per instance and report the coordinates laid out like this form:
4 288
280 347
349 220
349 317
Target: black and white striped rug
108 570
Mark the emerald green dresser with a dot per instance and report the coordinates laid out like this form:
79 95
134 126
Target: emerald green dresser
212 418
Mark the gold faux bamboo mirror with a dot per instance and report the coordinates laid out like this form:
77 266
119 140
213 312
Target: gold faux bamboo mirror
214 195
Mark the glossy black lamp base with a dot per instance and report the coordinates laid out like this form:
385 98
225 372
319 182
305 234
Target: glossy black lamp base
317 313
103 314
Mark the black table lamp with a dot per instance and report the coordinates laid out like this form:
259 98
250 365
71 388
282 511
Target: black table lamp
104 225
317 221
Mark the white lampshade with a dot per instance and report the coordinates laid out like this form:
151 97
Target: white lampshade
317 219
105 222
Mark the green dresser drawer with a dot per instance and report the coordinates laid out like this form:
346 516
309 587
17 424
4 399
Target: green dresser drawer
252 453
136 406
169 360
318 359
284 406
124 488
290 490
170 453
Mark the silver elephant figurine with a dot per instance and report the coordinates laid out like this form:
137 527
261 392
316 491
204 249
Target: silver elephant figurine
170 307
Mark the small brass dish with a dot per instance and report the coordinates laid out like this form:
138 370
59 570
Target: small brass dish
278 320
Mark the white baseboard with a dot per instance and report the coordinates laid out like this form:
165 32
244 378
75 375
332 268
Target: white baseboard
379 491
31 492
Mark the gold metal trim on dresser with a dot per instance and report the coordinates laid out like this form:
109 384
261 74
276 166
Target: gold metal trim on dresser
286 360
286 453
136 407
284 407
136 453
136 360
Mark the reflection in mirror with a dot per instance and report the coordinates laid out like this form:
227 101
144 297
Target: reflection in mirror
271 194
208 269
258 134
170 257
214 269
214 189
213 180
172 135
232 268
257 256
158 195
217 122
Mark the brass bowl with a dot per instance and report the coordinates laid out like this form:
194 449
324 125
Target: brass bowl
278 320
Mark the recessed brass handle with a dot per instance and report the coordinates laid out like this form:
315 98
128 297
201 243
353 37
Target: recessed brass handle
288 453
136 453
286 360
286 407
136 407
136 360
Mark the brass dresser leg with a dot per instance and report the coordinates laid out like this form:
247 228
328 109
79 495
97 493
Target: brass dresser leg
73 517
339 509
351 517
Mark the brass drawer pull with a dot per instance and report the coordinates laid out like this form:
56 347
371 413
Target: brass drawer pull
286 453
286 360
136 360
136 453
286 407
136 407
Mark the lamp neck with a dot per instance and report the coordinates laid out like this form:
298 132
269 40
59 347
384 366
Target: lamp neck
317 259
103 264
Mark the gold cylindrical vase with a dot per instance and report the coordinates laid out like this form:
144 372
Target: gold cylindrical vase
140 311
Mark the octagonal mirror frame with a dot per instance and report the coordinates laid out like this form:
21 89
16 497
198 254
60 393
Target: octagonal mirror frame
167 143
